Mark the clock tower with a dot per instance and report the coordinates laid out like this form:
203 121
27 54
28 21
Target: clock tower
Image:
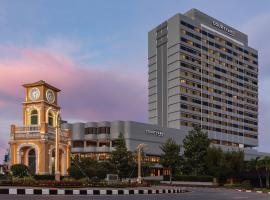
40 143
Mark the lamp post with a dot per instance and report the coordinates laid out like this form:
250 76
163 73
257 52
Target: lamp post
139 157
57 130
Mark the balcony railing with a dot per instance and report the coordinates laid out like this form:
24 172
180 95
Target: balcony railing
33 132
27 129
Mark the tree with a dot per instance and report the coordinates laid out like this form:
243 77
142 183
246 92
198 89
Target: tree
75 172
255 164
196 144
215 163
234 164
224 165
266 165
121 157
19 170
86 167
170 158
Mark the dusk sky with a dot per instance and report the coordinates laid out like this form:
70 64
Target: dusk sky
96 53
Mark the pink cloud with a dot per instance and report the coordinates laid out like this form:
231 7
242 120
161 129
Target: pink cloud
2 103
88 93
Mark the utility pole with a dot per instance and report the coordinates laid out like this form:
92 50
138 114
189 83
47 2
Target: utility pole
57 131
139 157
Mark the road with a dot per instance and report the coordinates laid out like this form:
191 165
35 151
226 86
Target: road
195 194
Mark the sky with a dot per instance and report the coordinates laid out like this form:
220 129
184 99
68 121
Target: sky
95 51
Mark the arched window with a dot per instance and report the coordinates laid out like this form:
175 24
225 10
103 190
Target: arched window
34 117
50 119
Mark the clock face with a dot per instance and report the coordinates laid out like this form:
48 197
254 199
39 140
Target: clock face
50 96
34 94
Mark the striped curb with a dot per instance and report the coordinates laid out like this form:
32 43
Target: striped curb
255 191
18 191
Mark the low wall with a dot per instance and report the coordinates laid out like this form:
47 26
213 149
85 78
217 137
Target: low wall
189 183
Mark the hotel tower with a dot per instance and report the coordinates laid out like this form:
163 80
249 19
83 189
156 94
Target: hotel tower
202 71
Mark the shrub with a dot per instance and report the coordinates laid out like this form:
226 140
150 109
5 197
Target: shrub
4 177
75 172
44 177
243 185
19 170
67 184
246 184
24 181
84 180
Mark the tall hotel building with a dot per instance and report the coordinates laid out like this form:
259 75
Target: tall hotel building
202 71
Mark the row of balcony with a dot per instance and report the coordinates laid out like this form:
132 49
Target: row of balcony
101 149
100 136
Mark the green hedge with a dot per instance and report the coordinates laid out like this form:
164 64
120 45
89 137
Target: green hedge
190 178
43 177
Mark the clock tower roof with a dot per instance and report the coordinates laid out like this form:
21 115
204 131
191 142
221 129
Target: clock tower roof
39 83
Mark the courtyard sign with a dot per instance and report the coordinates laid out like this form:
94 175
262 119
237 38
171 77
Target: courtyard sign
224 28
155 132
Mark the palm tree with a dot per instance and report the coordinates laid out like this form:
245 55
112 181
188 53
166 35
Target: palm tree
266 164
255 163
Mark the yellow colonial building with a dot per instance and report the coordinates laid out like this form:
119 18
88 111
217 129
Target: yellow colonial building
37 142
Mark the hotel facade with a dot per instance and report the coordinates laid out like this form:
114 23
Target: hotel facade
201 72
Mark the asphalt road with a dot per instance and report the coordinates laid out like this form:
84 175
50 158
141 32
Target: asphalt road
195 194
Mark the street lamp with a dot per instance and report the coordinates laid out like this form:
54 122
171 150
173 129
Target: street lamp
57 130
140 148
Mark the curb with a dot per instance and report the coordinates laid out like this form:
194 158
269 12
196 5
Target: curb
254 191
17 191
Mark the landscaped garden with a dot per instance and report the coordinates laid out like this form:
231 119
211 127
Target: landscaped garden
200 162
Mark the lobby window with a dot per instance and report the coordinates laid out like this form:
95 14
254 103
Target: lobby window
104 144
91 143
34 117
90 130
50 119
104 130
78 143
104 156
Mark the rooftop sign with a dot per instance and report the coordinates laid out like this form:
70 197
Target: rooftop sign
155 132
224 28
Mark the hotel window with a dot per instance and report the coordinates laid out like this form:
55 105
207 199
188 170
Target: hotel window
182 81
102 130
197 29
183 31
34 117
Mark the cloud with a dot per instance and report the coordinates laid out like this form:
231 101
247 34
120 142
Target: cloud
87 92
258 31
